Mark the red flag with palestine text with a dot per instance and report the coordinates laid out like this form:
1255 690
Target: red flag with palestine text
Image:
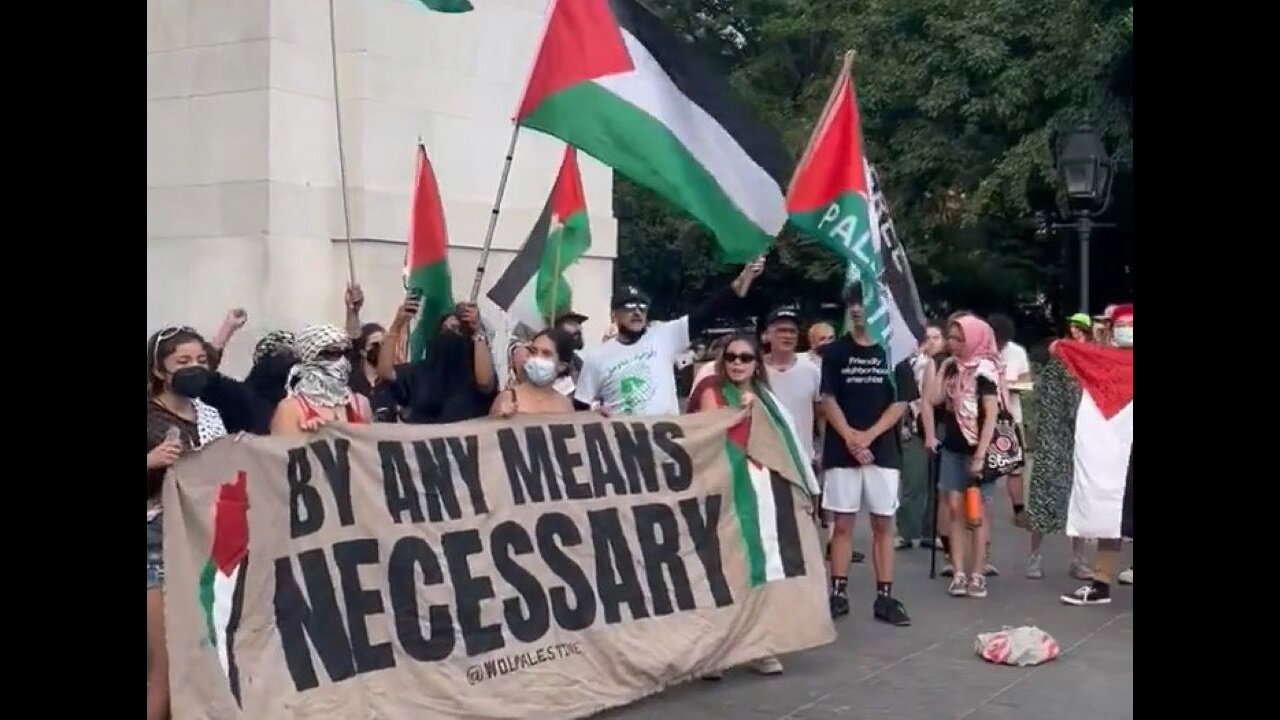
828 198
426 267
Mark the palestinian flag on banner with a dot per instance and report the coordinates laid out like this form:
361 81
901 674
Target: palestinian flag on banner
762 499
426 262
829 198
533 289
221 589
1102 455
612 80
447 6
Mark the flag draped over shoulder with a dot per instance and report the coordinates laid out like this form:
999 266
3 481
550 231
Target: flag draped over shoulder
533 289
1103 437
611 79
426 267
829 199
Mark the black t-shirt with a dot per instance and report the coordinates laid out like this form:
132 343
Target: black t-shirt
441 388
382 397
952 437
857 378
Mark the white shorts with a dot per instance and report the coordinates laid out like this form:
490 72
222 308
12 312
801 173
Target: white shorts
845 489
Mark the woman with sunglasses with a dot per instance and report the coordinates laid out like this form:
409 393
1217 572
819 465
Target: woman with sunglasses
739 380
177 373
319 390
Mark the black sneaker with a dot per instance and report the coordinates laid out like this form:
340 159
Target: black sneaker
858 557
1094 593
890 610
839 606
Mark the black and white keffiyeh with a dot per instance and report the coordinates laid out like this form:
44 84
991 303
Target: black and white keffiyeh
320 382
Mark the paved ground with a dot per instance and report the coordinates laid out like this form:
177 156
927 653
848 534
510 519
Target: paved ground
929 670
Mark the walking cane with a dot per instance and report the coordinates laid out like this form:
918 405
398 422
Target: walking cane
933 515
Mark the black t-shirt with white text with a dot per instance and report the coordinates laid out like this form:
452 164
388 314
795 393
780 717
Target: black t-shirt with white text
857 377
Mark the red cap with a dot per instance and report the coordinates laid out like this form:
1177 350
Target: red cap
1121 312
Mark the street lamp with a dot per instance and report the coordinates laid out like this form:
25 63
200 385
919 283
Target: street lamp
1086 171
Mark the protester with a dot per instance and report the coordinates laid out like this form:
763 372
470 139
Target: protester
794 379
1080 327
633 374
862 456
247 406
549 358
913 510
1017 367
820 335
1050 486
319 390
740 379
975 387
365 349
570 323
1098 591
177 371
455 381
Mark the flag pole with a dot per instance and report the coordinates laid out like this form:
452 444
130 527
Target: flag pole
493 217
342 156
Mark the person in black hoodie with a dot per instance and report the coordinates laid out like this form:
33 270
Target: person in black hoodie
454 381
247 406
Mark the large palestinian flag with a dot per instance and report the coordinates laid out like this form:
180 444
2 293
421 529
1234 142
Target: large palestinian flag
221 590
533 289
426 262
1086 438
612 80
829 199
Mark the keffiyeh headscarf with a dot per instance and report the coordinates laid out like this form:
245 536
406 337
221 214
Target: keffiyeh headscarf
980 358
270 343
320 382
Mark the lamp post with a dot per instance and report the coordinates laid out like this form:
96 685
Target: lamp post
1086 171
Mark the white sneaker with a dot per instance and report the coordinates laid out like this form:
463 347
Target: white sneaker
1035 568
767 666
1126 577
1080 570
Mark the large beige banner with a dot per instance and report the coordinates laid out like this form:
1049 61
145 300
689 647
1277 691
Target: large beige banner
548 566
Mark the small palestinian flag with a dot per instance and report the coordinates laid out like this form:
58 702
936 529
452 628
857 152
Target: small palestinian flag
1103 454
533 289
426 267
611 79
762 499
829 198
221 592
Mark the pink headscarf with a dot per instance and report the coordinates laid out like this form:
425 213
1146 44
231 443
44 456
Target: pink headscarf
981 358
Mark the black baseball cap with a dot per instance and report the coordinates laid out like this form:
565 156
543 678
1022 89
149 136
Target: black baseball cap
571 316
784 313
853 294
628 294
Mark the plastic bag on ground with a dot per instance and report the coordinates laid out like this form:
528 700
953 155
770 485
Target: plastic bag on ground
1020 646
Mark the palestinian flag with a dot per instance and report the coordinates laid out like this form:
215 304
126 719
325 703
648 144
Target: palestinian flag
829 198
447 6
612 80
762 499
426 266
533 289
221 590
1103 454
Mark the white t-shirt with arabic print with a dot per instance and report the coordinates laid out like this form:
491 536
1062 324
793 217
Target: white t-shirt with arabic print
636 379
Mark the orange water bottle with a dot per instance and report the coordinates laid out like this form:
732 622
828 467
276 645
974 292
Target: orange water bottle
973 507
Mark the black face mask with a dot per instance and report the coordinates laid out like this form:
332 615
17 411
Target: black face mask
190 382
371 354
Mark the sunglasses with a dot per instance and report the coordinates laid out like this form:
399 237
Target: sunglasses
332 354
744 358
635 306
168 333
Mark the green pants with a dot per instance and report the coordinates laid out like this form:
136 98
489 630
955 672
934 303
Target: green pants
913 492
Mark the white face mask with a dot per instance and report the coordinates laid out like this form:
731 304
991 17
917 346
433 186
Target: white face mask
1123 336
540 371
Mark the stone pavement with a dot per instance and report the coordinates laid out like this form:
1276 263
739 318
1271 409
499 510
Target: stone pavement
929 670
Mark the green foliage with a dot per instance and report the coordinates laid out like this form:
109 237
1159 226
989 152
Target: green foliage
959 101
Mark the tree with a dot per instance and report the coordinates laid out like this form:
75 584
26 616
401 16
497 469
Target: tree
960 102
